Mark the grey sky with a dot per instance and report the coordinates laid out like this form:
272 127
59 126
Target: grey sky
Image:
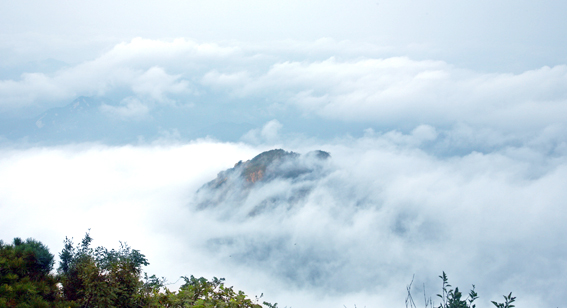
492 35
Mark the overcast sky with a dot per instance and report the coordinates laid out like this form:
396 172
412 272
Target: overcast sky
446 122
491 35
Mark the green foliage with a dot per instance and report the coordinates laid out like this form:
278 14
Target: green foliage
508 300
453 298
113 278
93 278
269 305
100 277
25 279
202 293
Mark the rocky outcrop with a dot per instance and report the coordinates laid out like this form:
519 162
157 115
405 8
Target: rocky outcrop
233 186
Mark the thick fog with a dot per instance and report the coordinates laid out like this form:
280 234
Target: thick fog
382 210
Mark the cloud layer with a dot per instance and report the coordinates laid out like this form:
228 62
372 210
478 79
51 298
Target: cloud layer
235 82
384 211
401 91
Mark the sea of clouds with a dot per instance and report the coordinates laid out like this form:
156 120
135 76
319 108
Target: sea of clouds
453 170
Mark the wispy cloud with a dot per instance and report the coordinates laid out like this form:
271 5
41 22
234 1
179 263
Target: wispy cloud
264 82
129 108
400 90
146 68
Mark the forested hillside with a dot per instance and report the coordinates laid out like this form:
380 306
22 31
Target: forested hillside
98 277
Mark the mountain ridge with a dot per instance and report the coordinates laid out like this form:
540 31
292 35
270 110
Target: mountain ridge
233 186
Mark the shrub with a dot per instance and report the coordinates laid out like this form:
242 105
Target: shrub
453 298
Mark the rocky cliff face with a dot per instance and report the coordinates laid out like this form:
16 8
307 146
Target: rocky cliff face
272 178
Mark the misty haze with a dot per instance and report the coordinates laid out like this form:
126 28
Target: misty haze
323 154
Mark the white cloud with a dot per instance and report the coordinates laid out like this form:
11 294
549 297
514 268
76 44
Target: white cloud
123 193
270 130
400 90
140 66
269 134
385 210
156 84
217 80
31 88
129 108
386 93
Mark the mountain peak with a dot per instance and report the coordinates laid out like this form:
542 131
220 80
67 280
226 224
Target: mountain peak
232 186
254 170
